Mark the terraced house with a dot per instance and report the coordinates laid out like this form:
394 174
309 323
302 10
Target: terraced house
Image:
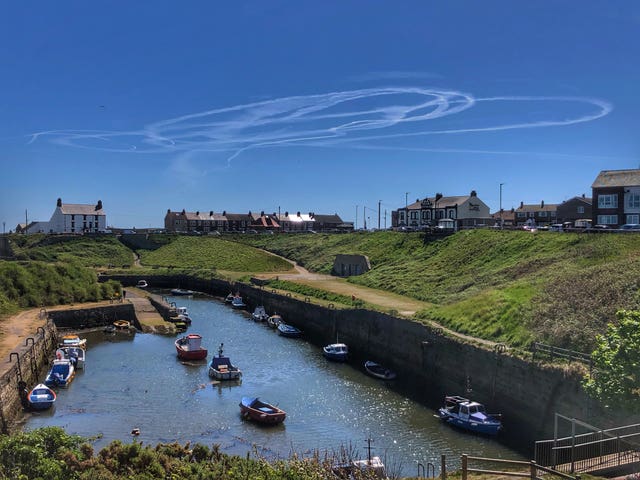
207 222
536 214
616 197
462 210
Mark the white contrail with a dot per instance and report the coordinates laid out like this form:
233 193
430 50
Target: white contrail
330 119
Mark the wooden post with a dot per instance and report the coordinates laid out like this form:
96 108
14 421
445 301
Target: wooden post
533 470
464 466
443 467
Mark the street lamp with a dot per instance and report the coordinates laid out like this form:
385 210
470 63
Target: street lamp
406 208
501 219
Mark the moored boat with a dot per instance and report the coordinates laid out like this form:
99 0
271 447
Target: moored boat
189 347
122 324
237 302
142 284
73 341
221 367
338 352
274 320
181 292
254 409
289 330
61 374
367 468
260 314
41 397
229 298
469 415
376 370
77 356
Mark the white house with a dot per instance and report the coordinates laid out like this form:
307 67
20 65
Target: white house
465 211
77 218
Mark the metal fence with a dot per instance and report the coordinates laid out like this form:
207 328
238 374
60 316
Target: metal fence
552 353
518 469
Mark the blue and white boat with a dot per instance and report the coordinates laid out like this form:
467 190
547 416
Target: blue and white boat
260 314
41 397
237 302
289 331
61 373
464 413
338 352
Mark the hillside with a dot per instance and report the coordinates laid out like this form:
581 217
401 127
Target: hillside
213 253
510 286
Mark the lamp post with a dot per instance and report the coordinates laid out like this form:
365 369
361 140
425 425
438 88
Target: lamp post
406 208
356 225
379 202
501 219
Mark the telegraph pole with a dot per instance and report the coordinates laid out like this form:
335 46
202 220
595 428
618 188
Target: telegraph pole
379 202
356 225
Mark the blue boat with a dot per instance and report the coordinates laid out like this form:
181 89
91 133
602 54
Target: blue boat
61 373
41 397
466 414
237 302
338 352
289 331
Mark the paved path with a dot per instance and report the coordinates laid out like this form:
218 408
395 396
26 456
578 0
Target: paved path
150 320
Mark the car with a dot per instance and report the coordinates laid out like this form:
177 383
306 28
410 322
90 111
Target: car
601 227
630 226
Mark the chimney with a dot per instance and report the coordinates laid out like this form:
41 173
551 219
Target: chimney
262 213
286 214
542 204
298 214
168 211
211 213
183 212
224 213
583 195
473 193
99 205
59 203
197 213
521 204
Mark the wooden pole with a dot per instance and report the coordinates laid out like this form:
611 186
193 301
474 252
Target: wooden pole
443 467
464 466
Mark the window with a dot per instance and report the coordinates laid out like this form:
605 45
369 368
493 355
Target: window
633 218
542 214
414 215
580 209
607 201
452 214
632 201
607 219
521 215
425 214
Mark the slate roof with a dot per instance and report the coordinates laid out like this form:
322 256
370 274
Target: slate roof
80 209
617 178
442 202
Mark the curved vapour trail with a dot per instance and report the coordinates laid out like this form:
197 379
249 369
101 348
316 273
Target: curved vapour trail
321 120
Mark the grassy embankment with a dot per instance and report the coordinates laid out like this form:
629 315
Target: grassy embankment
56 270
508 286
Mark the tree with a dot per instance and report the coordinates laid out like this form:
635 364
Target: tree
616 381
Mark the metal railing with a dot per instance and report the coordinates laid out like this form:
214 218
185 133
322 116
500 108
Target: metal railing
553 353
520 469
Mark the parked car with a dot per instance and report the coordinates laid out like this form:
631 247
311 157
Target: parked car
630 226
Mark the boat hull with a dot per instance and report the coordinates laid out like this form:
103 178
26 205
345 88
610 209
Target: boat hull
483 428
191 354
254 409
224 375
289 331
41 397
336 357
180 292
378 371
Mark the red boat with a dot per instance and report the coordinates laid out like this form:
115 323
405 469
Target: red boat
188 347
254 409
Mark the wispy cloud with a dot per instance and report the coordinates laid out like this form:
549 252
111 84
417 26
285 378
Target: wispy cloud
323 120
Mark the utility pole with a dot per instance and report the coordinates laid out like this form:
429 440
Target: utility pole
26 221
501 219
356 225
385 218
406 208
379 202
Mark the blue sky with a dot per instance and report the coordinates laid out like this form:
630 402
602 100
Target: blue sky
311 106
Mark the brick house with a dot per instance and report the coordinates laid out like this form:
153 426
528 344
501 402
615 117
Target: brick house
576 208
616 197
536 214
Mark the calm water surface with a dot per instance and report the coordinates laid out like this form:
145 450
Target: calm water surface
138 382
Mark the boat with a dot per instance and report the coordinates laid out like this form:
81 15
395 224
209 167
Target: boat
122 324
73 341
142 284
181 292
289 330
274 320
229 298
237 302
337 352
260 314
77 356
469 415
180 326
41 397
221 367
189 348
254 409
61 373
376 370
368 468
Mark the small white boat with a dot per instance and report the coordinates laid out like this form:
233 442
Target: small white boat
142 284
221 367
73 341
41 397
77 356
379 371
181 292
260 314
61 374
274 320
338 352
237 302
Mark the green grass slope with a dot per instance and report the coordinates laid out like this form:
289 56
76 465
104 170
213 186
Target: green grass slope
91 251
511 286
213 253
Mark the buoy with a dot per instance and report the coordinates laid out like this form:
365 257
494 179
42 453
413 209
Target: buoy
135 431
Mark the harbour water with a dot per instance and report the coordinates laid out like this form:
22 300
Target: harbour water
137 382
